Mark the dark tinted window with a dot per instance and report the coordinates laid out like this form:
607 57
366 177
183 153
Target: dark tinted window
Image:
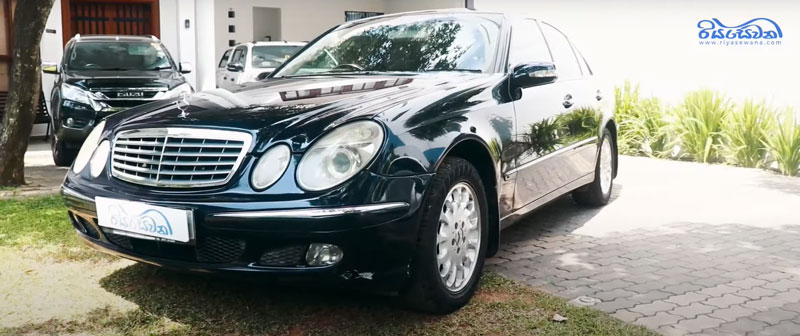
563 56
527 44
224 60
118 56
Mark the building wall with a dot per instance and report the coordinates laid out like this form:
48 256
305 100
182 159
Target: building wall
655 43
394 6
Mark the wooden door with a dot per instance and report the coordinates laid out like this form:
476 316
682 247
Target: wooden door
109 17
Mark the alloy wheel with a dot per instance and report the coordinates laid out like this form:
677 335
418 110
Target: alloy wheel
459 237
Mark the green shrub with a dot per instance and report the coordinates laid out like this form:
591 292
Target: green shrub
698 123
643 128
784 144
745 132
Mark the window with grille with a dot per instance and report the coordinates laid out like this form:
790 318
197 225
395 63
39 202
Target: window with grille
355 15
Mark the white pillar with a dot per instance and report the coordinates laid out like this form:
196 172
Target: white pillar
186 36
205 50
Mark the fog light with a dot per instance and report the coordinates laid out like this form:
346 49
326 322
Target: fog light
323 254
69 122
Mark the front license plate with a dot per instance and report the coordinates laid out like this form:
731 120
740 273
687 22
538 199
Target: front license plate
143 220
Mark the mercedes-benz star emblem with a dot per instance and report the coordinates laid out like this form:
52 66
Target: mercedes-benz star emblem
182 104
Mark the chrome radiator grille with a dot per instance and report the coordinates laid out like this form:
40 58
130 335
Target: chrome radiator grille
178 157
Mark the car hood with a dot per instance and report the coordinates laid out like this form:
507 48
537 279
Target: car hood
298 110
124 79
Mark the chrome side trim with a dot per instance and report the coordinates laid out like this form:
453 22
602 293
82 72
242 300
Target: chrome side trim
515 216
558 152
70 192
314 213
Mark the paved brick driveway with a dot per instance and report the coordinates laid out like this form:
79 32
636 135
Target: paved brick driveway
683 248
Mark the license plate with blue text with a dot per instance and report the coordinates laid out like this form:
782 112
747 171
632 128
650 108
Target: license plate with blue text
142 220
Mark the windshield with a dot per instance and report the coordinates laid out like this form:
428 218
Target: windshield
405 43
272 56
118 56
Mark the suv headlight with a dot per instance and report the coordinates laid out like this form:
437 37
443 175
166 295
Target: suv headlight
176 92
339 155
76 94
89 145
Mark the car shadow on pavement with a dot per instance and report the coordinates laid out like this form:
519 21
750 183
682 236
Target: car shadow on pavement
249 305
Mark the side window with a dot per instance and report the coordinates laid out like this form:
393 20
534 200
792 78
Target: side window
527 44
224 60
238 55
563 56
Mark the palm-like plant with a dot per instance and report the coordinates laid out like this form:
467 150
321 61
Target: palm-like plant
784 144
698 122
643 127
745 132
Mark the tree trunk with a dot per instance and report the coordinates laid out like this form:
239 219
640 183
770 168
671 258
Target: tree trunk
30 18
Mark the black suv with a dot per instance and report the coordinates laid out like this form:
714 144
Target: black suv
104 74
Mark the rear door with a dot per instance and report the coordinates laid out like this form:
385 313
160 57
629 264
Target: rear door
223 62
539 137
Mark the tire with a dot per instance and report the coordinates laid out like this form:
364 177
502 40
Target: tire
598 192
427 290
62 155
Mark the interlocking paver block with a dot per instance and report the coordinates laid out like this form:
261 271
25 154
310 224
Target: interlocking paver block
657 320
648 309
699 323
612 306
783 285
742 326
732 313
756 292
688 298
781 329
626 315
726 301
682 288
747 283
693 310
609 285
719 290
764 303
775 315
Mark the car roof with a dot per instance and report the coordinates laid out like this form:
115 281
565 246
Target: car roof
270 43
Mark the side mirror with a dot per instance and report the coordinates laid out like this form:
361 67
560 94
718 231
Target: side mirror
185 67
235 67
263 75
532 74
50 68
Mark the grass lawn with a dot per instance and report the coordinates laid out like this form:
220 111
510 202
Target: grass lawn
50 284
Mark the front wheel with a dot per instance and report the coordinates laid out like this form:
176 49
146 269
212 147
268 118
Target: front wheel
62 155
598 192
451 246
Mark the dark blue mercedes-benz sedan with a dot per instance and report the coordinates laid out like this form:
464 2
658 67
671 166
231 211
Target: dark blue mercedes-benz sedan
389 150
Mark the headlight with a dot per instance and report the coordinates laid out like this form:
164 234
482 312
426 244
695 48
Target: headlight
339 155
88 148
183 88
76 94
270 167
99 158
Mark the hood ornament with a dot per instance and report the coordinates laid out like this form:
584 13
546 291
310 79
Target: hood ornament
182 104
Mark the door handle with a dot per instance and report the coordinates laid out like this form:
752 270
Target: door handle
567 101
599 96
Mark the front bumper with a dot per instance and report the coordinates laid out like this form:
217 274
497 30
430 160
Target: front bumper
377 239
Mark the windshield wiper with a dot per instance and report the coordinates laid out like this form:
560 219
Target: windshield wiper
336 73
454 70
160 68
113 69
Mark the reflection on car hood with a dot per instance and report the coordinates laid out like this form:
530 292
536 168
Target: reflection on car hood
122 79
300 109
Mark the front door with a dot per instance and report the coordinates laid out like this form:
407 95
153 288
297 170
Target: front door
543 113
223 62
110 17
230 77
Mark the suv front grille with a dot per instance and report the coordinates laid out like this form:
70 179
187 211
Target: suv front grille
178 157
